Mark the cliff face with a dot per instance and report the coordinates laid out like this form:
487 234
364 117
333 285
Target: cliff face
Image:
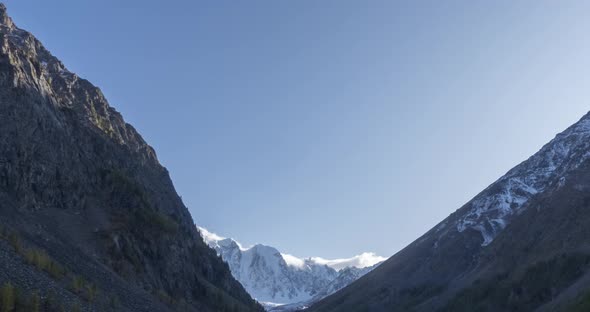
80 185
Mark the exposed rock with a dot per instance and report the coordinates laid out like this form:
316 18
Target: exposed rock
519 245
82 185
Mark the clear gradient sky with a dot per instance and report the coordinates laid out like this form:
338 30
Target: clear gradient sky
329 128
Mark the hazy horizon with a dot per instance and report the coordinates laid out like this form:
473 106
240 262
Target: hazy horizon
328 129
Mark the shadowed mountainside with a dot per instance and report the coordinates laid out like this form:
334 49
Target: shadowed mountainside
520 245
89 219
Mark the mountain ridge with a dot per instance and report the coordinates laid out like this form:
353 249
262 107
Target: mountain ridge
283 282
362 260
449 263
85 202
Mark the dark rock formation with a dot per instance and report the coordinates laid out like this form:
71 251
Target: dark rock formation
81 187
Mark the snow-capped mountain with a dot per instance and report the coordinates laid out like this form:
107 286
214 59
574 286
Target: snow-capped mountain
491 210
282 280
345 276
533 219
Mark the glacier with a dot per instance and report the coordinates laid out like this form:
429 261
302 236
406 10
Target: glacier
283 282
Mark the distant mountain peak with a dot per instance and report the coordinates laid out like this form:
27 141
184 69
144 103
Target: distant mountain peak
363 260
283 281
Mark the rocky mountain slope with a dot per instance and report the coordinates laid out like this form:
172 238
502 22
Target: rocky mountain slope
520 245
284 282
89 219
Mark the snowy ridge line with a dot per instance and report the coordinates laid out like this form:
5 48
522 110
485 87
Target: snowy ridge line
490 211
365 259
283 282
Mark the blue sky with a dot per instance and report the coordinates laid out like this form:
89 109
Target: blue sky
328 128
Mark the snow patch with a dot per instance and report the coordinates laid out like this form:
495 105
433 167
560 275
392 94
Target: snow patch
209 237
490 211
214 240
293 261
363 260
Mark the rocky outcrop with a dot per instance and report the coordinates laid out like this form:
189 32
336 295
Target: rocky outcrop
82 186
